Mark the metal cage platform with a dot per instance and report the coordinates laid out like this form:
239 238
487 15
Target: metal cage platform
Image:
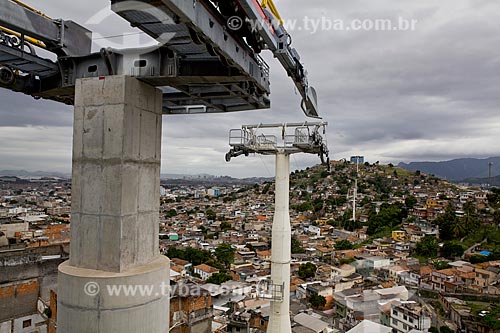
266 289
306 138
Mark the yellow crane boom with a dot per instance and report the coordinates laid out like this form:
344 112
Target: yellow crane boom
270 4
28 39
34 10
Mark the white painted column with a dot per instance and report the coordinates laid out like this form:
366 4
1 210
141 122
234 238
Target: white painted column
279 321
115 212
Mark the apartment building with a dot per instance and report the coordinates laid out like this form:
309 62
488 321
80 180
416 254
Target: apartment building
441 277
205 271
408 316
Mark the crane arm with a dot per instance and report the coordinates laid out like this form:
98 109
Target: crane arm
57 36
269 26
270 4
28 39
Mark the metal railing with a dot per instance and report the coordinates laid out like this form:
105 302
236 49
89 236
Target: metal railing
266 289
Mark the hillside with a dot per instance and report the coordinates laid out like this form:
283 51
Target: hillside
458 169
390 198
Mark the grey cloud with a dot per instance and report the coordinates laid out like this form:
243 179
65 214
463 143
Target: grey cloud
17 109
393 96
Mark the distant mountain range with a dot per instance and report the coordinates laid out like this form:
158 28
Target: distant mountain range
33 174
457 170
177 178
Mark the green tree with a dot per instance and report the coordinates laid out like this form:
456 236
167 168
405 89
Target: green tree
389 216
297 246
307 270
496 217
469 220
225 226
194 256
447 223
427 247
451 250
478 259
303 207
492 318
324 173
459 229
347 261
446 329
210 215
318 204
219 278
439 265
344 244
171 213
410 201
225 254
365 201
266 188
317 301
494 196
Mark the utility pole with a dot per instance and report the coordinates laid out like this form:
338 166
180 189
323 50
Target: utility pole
306 139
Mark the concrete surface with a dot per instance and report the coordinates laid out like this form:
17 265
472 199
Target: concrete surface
115 210
106 311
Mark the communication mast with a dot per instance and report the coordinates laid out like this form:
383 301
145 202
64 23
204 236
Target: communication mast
356 159
251 139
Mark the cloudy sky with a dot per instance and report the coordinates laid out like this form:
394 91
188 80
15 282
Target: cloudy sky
427 94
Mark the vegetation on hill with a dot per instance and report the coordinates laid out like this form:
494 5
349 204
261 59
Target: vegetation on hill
344 244
389 216
224 256
219 278
385 198
427 247
296 246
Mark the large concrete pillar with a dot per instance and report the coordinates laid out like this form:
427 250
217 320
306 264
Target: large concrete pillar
279 318
115 280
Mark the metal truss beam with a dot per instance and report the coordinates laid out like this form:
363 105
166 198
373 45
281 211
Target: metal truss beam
60 37
18 59
199 32
203 68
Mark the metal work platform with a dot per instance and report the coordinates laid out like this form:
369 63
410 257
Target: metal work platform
201 62
304 138
216 70
266 289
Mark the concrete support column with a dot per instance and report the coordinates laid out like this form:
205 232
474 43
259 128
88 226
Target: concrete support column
279 319
114 212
